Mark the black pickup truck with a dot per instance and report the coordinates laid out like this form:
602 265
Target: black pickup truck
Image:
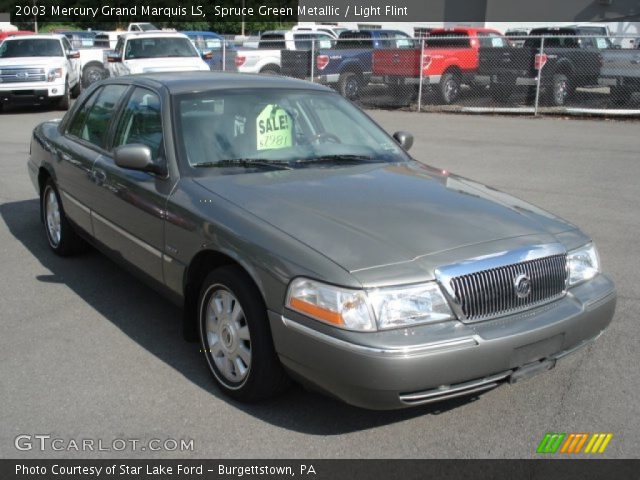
566 62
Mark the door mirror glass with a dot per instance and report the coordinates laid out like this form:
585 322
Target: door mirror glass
404 139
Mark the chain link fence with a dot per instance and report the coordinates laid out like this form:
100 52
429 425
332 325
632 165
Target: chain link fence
485 73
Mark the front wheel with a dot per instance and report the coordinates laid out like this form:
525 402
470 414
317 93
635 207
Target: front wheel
236 338
62 238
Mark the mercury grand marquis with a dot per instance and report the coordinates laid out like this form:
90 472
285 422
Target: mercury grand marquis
302 241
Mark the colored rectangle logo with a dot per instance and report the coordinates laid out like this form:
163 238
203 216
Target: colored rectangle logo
574 443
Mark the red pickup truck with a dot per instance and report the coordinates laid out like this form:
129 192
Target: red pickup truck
450 59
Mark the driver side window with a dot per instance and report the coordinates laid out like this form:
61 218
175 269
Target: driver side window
141 123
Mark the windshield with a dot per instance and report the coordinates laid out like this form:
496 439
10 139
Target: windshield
159 47
33 47
288 128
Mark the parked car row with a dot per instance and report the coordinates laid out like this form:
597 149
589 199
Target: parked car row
52 68
552 62
481 59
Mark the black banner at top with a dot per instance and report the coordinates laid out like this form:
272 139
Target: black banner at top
365 11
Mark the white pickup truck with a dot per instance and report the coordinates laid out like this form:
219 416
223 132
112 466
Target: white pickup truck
148 52
266 58
39 69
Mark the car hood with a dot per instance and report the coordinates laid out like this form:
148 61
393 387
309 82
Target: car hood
368 216
32 62
155 65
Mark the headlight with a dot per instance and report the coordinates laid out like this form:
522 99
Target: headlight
371 310
584 264
53 74
407 306
337 306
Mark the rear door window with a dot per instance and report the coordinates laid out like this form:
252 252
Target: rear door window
448 40
94 126
491 40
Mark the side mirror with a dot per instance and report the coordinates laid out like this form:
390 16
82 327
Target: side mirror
404 139
113 57
73 54
208 55
137 157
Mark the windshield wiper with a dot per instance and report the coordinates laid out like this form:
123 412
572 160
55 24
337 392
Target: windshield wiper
345 158
247 162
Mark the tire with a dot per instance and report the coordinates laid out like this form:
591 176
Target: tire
76 90
559 90
501 92
621 95
92 74
65 100
349 85
61 236
236 338
449 88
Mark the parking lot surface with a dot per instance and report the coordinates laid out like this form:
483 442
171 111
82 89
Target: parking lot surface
89 352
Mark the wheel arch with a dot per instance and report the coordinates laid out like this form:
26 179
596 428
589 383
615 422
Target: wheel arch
455 70
270 66
563 68
93 63
204 262
352 67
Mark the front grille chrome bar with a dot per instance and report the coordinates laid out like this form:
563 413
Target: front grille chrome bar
505 283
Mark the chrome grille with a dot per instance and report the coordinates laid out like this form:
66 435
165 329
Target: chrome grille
15 75
489 293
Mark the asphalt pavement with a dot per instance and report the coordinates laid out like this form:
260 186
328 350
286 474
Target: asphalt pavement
89 352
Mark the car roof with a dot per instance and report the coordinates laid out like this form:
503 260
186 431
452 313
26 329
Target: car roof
200 32
191 82
152 34
40 36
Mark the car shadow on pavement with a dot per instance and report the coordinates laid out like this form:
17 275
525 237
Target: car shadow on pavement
154 323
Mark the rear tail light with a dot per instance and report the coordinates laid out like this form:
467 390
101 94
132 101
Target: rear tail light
240 60
540 61
322 61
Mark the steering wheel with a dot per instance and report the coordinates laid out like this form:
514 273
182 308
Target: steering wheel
325 136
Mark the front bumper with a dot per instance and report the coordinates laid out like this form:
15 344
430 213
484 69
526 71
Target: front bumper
31 93
406 367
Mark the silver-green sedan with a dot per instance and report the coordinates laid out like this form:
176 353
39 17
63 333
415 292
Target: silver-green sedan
304 242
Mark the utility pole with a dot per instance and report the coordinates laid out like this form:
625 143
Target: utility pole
242 22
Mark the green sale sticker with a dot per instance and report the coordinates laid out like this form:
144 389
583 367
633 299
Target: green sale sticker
274 127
